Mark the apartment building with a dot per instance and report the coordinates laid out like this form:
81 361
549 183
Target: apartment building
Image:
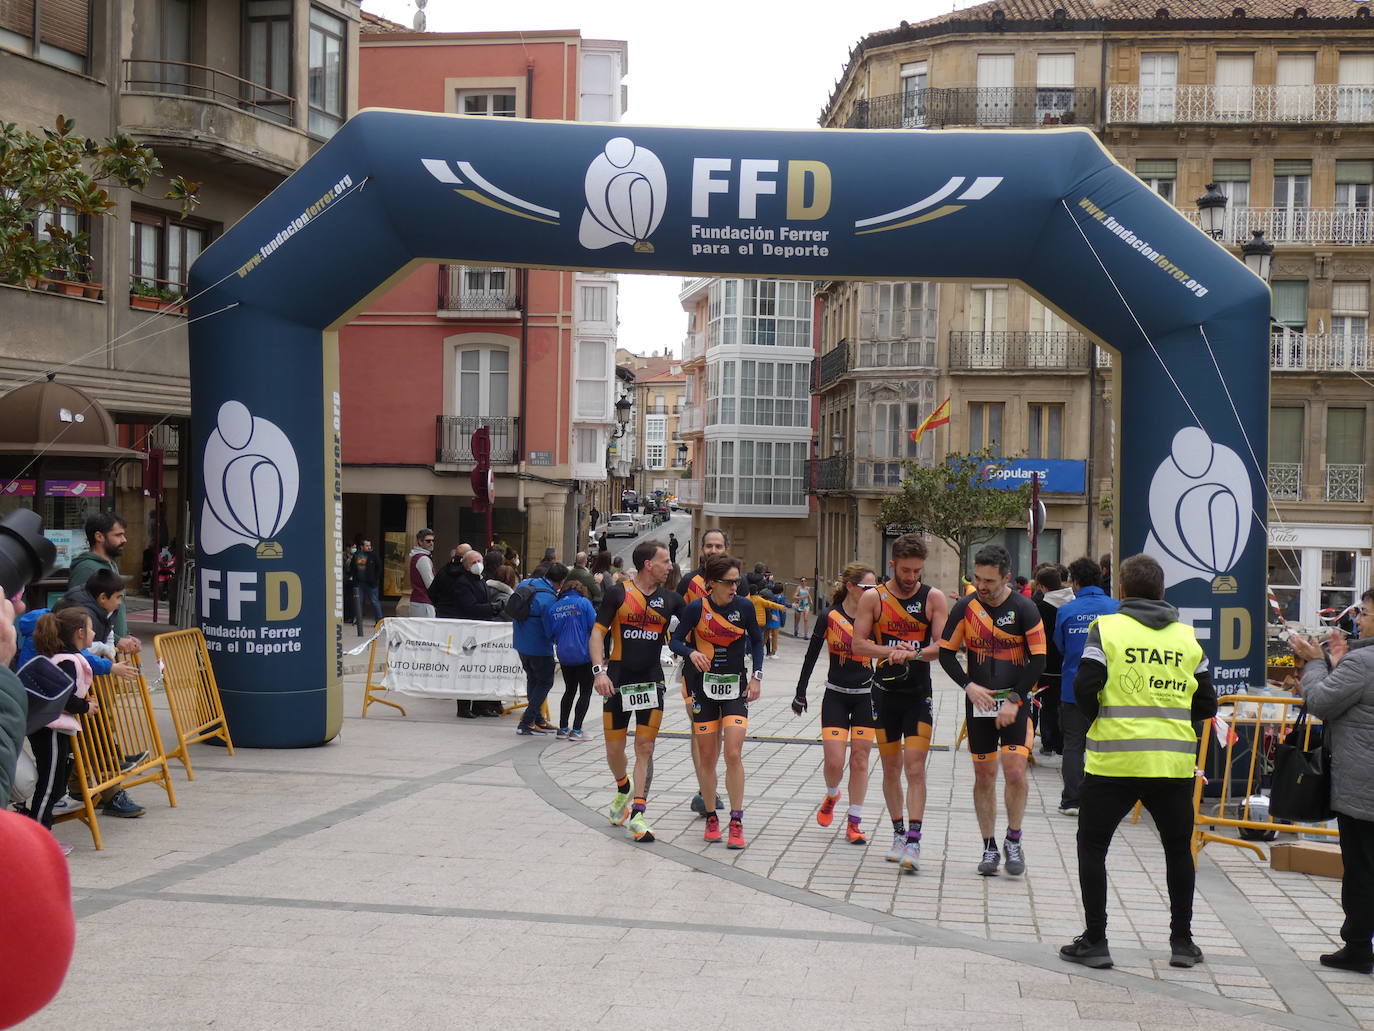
1272 102
527 355
747 418
662 454
232 94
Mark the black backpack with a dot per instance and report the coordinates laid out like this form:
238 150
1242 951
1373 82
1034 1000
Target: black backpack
518 605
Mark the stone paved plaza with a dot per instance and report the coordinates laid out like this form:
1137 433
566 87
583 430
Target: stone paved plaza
427 872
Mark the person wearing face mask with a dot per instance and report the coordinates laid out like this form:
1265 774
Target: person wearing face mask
470 589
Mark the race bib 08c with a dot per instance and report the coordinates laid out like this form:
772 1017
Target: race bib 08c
638 696
720 687
998 697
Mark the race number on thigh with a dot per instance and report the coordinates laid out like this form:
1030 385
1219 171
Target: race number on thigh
998 697
638 696
720 687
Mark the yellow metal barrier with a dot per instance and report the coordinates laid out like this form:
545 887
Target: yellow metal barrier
122 728
192 694
1265 721
372 690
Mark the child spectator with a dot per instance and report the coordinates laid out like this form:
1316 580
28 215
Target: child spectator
569 621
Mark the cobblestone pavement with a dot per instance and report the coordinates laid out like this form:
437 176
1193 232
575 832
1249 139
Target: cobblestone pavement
426 872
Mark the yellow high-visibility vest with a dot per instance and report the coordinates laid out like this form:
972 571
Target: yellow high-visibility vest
1144 724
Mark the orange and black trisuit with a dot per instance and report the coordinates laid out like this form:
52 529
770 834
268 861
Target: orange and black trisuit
692 588
847 706
901 691
730 637
636 627
1006 655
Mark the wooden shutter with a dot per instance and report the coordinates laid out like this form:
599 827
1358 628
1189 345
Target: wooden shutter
65 24
17 16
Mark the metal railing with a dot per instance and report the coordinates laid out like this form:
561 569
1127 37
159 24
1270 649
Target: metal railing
1345 482
689 492
1020 106
1291 351
1228 105
1349 226
453 443
454 297
1104 358
201 82
656 410
827 474
830 366
1285 480
1018 350
878 473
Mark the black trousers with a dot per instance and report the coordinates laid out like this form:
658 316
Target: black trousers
1103 804
52 755
1051 740
1357 883
1073 727
577 684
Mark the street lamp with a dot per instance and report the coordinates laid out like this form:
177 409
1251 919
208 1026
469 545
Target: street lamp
1211 209
836 442
1258 254
622 416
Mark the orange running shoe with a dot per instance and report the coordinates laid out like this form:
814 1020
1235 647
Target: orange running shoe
712 832
736 836
855 836
826 812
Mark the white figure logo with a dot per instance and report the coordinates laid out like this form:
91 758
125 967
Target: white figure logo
627 191
1200 505
251 482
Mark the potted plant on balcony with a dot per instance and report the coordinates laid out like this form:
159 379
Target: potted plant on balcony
144 295
173 301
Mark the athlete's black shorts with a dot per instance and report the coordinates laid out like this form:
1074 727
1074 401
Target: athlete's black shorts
844 714
904 719
709 713
615 717
985 737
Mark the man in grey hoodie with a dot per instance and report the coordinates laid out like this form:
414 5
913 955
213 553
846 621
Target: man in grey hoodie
106 537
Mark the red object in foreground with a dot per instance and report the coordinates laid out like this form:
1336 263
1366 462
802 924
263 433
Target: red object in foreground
40 929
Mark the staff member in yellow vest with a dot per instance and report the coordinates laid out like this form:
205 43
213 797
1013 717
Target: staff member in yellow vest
1142 684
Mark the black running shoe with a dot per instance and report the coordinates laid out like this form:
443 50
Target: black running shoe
1183 953
1087 953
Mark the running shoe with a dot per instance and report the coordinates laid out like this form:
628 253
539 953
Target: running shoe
122 806
712 832
826 812
620 805
562 734
698 804
638 828
894 854
1068 810
1349 957
1086 953
735 839
992 859
853 834
1016 859
68 804
576 735
1183 953
911 856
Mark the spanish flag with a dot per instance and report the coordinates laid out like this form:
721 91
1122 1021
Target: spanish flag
939 417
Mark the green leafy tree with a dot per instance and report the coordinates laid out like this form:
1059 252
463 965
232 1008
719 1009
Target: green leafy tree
954 502
42 172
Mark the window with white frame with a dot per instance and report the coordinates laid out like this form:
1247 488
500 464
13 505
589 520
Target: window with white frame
893 424
1353 179
1158 86
599 89
1233 95
594 303
483 382
1290 303
1295 95
1292 183
720 472
1355 92
721 392
1046 436
1054 78
985 426
770 473
593 379
655 441
587 447
759 312
498 103
327 81
915 77
897 325
1350 318
1159 174
1232 176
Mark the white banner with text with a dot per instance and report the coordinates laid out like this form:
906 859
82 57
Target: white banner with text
453 658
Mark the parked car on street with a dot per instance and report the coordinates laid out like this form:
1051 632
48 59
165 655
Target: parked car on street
622 524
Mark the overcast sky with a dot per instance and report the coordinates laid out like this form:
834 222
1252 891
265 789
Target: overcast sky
741 63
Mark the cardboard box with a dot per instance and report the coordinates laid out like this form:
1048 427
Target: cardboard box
1307 857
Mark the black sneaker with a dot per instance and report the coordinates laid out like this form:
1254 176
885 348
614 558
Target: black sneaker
122 806
130 761
1348 957
1086 953
1183 953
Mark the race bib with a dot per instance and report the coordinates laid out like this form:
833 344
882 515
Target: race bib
998 697
638 696
720 687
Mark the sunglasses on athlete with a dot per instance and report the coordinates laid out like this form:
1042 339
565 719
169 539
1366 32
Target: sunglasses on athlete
733 583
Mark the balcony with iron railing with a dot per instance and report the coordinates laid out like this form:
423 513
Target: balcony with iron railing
1326 104
453 438
170 98
997 106
827 474
1345 483
458 299
1291 351
1350 227
1285 481
830 366
1018 351
657 410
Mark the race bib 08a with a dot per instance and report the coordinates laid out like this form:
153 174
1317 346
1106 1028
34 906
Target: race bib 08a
720 687
638 696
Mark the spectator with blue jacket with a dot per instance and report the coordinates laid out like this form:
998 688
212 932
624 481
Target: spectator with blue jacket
1070 635
535 644
569 622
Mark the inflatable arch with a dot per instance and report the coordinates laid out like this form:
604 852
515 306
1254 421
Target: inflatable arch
1049 209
